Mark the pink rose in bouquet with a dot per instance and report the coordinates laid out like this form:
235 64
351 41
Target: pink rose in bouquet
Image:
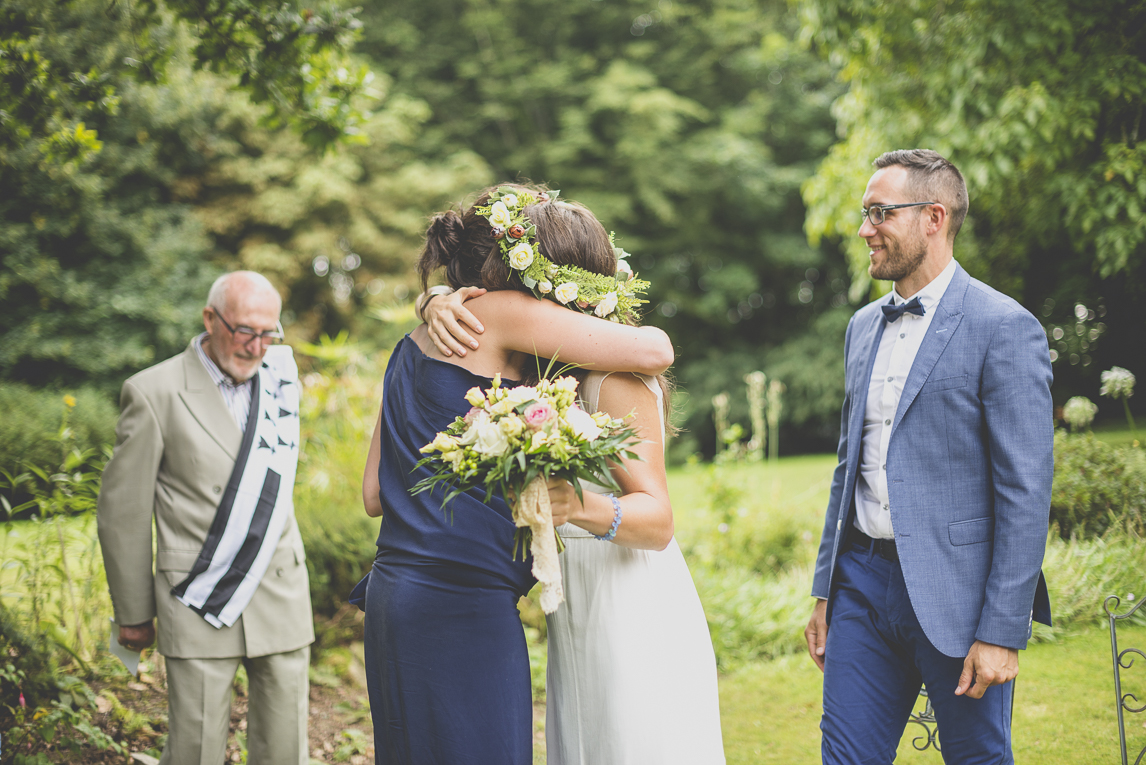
537 414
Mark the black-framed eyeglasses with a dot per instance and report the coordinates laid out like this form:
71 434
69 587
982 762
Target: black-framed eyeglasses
877 214
246 335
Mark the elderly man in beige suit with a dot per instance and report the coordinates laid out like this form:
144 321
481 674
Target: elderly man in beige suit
184 425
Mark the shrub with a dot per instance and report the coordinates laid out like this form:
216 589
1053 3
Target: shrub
30 429
1097 487
31 423
339 409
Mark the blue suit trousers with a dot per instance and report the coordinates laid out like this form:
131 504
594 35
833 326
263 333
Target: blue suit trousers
876 659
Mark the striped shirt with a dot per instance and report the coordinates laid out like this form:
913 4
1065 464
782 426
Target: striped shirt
237 396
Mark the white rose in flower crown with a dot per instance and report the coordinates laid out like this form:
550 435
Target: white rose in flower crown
607 304
521 256
510 200
499 215
582 424
624 269
566 292
544 287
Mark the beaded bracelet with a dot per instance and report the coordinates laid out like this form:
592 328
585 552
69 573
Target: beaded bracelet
612 533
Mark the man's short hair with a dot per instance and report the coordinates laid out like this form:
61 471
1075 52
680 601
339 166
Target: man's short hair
217 297
931 177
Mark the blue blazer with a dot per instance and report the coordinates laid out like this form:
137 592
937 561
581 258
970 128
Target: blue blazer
969 467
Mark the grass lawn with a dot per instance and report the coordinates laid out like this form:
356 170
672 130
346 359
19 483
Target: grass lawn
1118 435
1064 706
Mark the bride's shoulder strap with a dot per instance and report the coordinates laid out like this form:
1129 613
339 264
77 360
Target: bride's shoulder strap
591 390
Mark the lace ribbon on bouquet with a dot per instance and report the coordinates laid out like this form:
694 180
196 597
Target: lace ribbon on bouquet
532 511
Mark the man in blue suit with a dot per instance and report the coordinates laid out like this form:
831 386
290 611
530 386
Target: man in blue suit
929 569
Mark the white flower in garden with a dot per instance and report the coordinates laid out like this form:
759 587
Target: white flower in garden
510 200
499 215
607 304
582 424
566 292
544 287
1117 383
521 256
1079 412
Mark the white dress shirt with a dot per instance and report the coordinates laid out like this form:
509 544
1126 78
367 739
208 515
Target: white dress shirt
237 396
893 360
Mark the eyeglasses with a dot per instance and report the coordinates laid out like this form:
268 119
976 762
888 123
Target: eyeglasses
877 214
246 335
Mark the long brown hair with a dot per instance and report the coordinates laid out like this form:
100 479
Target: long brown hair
567 232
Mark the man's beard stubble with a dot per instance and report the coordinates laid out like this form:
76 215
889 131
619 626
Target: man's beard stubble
897 264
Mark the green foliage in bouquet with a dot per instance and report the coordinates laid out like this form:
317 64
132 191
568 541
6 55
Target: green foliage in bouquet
515 435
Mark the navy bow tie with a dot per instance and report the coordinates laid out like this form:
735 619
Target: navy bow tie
892 312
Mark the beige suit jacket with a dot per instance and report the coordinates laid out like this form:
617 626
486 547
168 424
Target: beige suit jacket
176 445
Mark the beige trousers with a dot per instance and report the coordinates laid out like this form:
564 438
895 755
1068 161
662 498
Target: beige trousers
199 709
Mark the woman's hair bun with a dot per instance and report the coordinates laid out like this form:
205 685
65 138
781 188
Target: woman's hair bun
444 235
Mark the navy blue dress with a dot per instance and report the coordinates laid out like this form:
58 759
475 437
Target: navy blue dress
446 660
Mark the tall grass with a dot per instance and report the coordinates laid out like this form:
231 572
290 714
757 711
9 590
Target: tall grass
750 533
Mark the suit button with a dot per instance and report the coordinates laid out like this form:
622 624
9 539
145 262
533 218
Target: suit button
279 571
216 489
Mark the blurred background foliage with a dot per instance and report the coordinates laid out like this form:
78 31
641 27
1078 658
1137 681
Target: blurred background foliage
727 142
1041 105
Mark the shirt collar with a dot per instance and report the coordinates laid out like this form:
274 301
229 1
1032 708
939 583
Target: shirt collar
930 295
218 376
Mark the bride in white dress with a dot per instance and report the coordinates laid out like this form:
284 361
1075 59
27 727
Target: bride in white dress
632 674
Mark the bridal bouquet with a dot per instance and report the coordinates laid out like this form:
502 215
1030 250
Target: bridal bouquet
512 441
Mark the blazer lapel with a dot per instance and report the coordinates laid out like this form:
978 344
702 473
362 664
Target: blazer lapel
869 339
948 314
202 398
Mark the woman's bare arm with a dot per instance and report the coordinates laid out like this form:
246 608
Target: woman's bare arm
370 486
646 522
519 322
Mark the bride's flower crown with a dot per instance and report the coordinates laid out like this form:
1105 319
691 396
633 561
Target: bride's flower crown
610 297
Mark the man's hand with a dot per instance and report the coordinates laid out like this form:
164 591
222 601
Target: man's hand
816 633
987 665
444 316
137 637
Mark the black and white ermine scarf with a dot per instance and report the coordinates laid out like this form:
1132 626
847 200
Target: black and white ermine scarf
257 503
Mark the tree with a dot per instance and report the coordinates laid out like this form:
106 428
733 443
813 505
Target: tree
1041 105
62 63
687 126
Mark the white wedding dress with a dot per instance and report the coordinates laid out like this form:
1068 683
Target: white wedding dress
632 675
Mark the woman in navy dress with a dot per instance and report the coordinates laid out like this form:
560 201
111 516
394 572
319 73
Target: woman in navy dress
446 659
